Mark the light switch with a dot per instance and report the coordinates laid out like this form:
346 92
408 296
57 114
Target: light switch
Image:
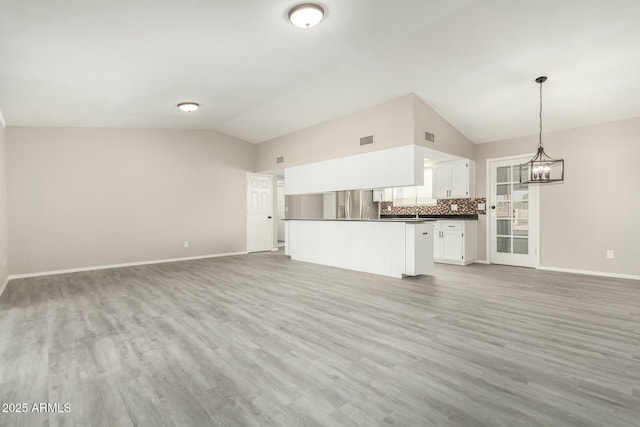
610 254
481 206
454 207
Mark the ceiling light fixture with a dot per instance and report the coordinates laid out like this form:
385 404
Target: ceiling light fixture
188 107
541 168
306 15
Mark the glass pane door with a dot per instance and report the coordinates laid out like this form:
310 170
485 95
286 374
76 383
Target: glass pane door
509 214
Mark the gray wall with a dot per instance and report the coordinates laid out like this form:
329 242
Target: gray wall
401 121
81 197
3 207
391 124
304 206
596 208
448 139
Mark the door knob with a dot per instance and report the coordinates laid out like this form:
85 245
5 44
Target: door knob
268 217
493 207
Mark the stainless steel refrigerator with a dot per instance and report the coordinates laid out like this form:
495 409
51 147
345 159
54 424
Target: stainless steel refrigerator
356 204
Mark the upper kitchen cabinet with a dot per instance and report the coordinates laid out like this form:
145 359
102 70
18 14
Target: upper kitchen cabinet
393 167
454 180
383 195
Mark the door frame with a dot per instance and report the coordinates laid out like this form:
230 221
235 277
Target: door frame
533 196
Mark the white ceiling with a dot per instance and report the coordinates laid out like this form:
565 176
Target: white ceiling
128 63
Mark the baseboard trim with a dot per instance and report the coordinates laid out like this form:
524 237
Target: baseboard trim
4 285
591 273
481 261
128 264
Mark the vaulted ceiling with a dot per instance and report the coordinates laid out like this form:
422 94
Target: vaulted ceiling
128 63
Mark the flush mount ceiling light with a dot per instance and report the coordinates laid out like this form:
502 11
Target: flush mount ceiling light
306 15
188 107
542 168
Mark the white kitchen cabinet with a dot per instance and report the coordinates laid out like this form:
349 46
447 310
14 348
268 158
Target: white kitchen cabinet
455 242
419 249
454 180
392 167
388 248
383 195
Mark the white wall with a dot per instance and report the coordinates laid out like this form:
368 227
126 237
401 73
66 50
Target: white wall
596 208
82 197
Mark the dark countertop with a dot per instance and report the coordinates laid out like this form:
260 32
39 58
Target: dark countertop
390 219
435 217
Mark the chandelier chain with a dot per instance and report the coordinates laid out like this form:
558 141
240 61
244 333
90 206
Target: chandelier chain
540 115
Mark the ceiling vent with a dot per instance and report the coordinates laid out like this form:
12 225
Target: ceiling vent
280 159
366 140
428 136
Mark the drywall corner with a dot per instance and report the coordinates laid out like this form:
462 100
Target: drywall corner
448 139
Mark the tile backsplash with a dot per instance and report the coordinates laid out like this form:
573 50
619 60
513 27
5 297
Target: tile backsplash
465 207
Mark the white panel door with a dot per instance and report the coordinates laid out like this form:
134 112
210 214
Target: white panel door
259 212
512 216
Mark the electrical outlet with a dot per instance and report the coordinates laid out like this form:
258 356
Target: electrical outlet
610 254
454 207
389 208
481 206
186 243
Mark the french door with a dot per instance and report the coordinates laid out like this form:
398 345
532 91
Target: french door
512 214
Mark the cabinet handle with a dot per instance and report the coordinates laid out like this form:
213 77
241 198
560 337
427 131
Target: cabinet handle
425 233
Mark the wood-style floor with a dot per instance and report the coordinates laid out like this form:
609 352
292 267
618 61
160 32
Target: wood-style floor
261 340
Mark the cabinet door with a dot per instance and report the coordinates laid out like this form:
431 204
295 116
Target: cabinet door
452 245
441 181
459 180
437 242
419 249
378 195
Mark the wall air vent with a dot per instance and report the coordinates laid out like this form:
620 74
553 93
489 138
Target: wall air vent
428 136
366 140
280 159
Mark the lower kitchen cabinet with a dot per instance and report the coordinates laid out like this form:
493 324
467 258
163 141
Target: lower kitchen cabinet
388 248
455 242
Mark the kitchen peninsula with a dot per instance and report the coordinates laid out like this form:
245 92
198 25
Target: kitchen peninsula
388 247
